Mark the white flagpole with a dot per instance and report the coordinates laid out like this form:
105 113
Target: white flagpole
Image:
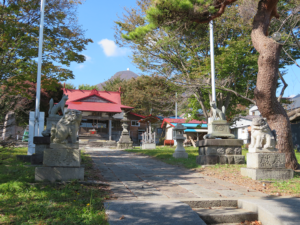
38 83
212 56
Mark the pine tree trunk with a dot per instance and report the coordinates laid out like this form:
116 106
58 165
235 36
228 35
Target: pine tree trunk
265 92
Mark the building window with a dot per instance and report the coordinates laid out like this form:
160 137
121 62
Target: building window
253 113
135 123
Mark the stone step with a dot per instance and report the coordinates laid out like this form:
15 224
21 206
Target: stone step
221 215
206 203
226 224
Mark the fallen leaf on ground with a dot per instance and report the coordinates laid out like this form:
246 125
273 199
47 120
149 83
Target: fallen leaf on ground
122 217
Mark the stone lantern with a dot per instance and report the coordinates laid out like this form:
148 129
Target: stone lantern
179 151
125 141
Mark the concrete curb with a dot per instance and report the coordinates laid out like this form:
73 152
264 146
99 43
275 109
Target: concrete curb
275 211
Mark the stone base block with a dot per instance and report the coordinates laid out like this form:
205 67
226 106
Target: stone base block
37 159
64 145
41 140
148 146
266 160
179 154
263 174
219 142
124 145
40 148
62 157
53 174
220 159
24 158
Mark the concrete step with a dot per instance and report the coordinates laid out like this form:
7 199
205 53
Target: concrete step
221 215
226 224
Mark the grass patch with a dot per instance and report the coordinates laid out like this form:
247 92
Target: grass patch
22 202
165 153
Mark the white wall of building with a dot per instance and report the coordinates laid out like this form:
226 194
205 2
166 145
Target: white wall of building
240 129
253 111
169 131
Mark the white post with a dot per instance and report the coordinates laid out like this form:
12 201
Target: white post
212 56
109 129
38 84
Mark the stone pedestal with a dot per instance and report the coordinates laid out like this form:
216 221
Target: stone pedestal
124 141
61 162
267 166
220 151
41 144
148 146
52 119
219 129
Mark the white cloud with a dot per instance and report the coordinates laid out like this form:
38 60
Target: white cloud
111 49
87 58
81 66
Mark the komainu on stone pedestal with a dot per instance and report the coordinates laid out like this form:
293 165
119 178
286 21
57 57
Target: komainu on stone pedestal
262 138
219 145
263 160
62 158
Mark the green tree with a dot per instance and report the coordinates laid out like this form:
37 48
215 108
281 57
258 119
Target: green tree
184 57
19 33
112 84
147 94
87 87
69 86
173 14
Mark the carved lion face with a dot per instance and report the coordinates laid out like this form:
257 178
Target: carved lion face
72 116
258 122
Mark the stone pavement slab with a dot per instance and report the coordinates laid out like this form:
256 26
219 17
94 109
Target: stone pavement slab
142 177
151 212
274 211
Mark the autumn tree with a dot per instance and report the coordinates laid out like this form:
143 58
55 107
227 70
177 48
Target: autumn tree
173 14
23 100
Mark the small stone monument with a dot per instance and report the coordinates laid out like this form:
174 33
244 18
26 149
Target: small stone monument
148 139
223 150
263 160
180 150
62 159
124 141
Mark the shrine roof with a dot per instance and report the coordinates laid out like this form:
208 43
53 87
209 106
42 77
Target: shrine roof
94 100
184 121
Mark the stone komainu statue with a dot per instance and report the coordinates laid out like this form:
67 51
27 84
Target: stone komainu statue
53 109
261 136
217 113
67 127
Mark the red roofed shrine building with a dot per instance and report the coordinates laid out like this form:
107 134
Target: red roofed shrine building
102 112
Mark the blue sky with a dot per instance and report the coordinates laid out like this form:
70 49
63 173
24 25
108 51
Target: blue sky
104 58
